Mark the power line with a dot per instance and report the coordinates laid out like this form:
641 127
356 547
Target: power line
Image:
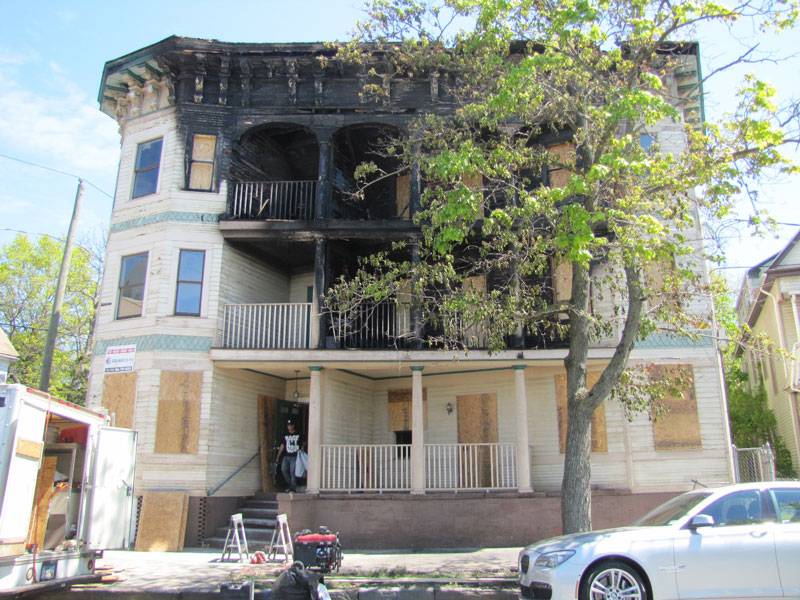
51 169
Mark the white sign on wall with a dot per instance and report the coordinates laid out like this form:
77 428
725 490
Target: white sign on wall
119 359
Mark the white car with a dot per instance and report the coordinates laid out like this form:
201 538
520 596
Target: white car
739 541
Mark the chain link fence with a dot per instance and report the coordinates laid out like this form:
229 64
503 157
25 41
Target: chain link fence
754 464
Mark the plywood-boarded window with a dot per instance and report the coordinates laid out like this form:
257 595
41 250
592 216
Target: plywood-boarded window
599 431
562 279
399 405
679 427
403 196
119 397
563 154
474 181
178 420
201 168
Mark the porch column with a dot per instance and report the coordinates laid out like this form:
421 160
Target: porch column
417 433
320 284
314 431
523 453
322 200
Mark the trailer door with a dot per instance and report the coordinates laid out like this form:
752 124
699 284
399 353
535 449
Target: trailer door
23 446
111 480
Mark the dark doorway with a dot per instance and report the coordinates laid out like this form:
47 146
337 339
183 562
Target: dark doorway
285 410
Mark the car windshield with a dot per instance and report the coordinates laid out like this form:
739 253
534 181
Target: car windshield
672 510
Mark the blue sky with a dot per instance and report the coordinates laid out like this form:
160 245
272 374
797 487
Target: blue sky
52 54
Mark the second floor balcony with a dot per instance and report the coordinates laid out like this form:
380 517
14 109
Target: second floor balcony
278 200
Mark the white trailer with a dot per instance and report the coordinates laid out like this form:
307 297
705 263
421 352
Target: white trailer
66 490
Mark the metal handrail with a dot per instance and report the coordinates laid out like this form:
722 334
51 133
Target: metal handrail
218 487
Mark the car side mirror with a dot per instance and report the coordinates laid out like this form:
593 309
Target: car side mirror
701 520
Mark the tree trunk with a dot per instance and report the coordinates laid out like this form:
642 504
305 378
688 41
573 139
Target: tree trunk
575 487
576 491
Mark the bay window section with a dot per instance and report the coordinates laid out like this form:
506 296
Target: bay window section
148 159
132 277
189 290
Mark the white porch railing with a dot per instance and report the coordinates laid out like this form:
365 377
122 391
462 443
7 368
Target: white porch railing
267 326
366 467
290 200
470 466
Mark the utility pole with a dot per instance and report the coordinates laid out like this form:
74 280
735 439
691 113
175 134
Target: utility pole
63 273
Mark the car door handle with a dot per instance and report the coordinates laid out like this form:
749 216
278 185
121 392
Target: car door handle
758 534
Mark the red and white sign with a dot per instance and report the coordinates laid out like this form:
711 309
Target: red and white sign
120 359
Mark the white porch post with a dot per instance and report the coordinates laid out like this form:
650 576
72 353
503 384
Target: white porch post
417 433
314 431
523 453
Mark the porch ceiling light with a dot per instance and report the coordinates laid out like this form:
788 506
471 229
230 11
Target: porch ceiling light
296 393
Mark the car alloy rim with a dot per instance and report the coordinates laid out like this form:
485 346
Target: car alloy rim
615 584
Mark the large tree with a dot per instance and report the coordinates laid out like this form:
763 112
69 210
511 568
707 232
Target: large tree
581 93
28 274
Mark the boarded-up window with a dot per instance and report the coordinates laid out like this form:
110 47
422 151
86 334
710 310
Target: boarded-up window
474 181
562 279
599 433
563 155
119 397
403 196
679 427
178 420
201 169
399 404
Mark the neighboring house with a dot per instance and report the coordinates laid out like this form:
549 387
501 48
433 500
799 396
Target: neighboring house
8 355
769 303
231 218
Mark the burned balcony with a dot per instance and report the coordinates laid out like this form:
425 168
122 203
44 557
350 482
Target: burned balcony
274 174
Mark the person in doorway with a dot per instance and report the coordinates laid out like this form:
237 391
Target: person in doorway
292 443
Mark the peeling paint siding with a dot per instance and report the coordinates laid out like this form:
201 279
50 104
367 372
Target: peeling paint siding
675 469
348 411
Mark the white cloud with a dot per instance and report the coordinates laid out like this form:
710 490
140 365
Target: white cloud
60 126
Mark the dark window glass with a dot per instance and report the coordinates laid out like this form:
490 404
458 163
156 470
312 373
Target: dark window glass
131 285
148 157
189 290
738 508
788 501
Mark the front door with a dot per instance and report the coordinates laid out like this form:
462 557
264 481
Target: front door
285 410
477 427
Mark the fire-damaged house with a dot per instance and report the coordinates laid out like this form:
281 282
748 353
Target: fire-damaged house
232 216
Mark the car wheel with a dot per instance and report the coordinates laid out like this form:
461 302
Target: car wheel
613 580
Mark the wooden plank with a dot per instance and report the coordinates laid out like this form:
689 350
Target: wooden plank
477 424
400 411
266 441
403 196
599 428
119 397
178 418
41 501
29 449
679 427
162 523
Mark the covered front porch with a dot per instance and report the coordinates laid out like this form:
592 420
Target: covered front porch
420 422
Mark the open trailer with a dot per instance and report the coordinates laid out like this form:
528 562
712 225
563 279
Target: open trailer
66 490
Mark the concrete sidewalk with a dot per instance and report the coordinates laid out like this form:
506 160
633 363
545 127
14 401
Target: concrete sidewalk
199 571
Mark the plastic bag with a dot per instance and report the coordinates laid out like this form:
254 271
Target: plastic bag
295 583
301 464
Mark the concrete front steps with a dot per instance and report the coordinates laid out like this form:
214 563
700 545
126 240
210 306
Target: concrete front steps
259 514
